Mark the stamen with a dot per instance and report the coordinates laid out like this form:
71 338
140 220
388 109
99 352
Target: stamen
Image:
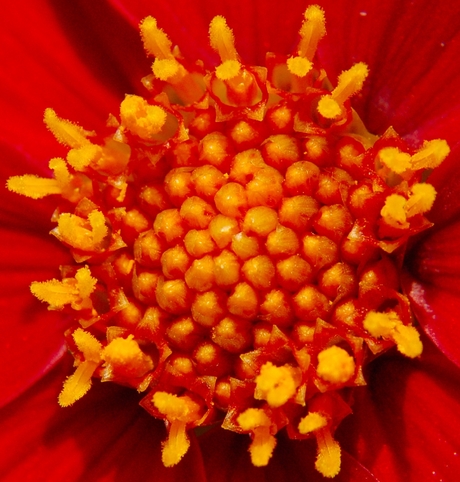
312 31
141 118
389 326
329 454
33 186
276 384
78 384
179 411
430 155
71 291
66 132
350 82
263 442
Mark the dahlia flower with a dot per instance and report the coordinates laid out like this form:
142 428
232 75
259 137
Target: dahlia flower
253 263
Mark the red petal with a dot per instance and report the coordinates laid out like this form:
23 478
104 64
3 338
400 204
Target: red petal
434 287
32 337
105 436
45 70
405 424
226 459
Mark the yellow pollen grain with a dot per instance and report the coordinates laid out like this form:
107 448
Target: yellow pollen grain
431 155
312 422
263 442
275 384
141 118
335 365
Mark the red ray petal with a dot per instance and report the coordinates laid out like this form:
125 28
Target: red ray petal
434 289
292 461
44 70
105 436
405 425
32 337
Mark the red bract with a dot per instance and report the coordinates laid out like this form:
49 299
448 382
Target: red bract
80 59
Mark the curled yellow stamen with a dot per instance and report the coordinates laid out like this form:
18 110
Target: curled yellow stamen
389 326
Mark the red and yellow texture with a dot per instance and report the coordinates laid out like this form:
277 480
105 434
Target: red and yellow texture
77 288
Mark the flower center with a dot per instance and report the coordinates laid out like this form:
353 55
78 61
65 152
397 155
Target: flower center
237 238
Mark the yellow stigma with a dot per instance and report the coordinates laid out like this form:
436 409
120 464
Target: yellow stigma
431 154
312 422
78 384
71 291
255 420
141 118
312 31
178 411
33 186
335 365
66 132
421 200
389 326
329 454
276 384
223 42
349 83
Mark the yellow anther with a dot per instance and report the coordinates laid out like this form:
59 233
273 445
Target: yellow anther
141 118
389 326
124 356
431 155
81 157
74 230
70 291
166 69
350 82
33 186
421 200
329 454
228 69
299 66
312 422
275 384
394 159
312 31
66 132
263 443
335 365
178 411
78 384
393 211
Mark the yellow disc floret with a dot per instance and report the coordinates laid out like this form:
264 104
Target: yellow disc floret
335 365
